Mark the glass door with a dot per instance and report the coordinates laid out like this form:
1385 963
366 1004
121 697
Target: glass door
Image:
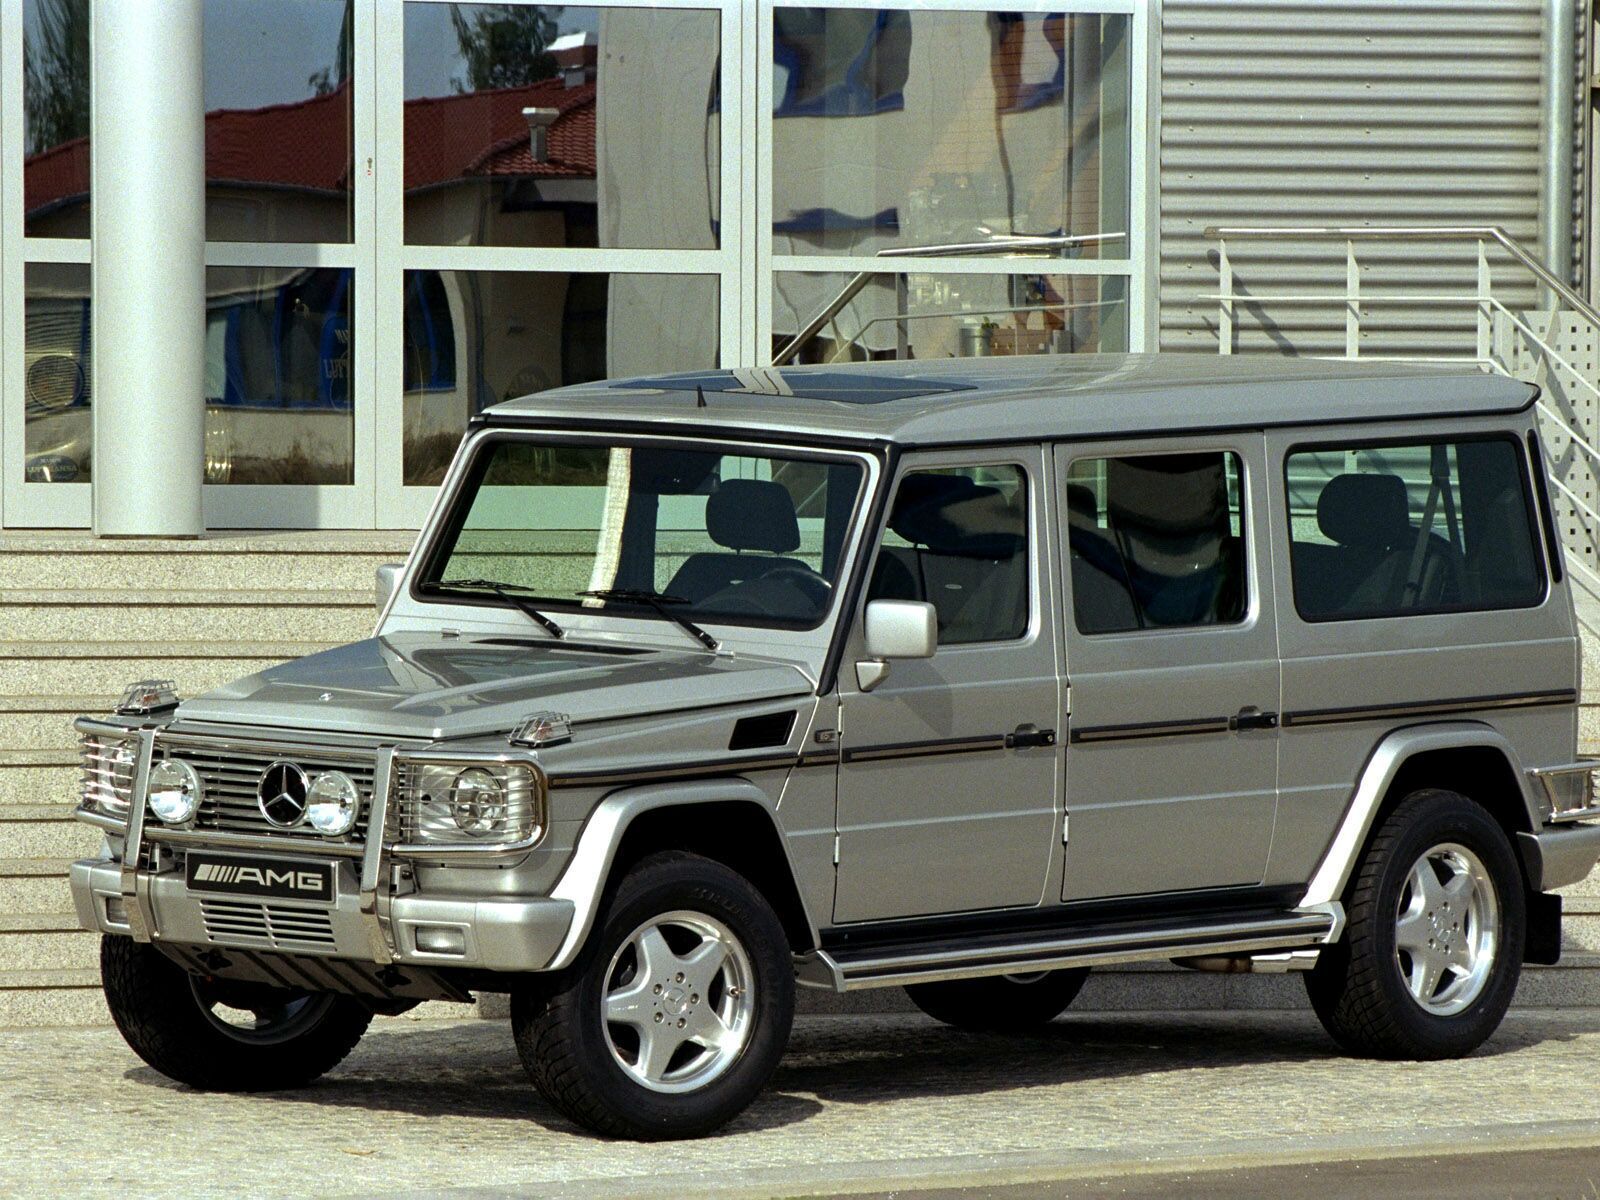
567 208
891 126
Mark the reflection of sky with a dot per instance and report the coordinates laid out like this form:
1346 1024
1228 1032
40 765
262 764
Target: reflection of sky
432 56
258 55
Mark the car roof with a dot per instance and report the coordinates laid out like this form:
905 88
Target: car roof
1031 398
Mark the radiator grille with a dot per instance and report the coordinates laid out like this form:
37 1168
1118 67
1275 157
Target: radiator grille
230 772
280 926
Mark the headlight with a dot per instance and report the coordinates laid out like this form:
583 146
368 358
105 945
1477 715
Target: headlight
107 775
478 803
174 791
468 804
332 803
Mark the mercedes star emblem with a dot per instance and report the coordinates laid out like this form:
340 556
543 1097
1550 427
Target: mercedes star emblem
281 793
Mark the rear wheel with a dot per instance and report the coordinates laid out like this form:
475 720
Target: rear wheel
675 1014
224 1035
1433 946
1000 1003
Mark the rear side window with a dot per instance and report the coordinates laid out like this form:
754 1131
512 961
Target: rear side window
1407 529
1156 541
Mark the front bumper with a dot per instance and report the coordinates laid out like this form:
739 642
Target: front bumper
1558 855
500 933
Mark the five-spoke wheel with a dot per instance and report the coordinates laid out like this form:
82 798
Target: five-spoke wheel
678 1002
675 1013
1446 929
1433 942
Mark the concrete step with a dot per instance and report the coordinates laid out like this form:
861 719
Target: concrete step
324 559
48 950
34 885
27 784
77 668
128 615
45 832
45 723
69 997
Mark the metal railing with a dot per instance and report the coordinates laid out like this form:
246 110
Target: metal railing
1487 306
1014 245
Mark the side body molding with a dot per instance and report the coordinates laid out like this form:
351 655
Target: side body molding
1337 864
583 882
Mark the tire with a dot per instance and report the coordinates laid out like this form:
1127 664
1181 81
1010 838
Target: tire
1425 970
1000 1003
683 943
171 1019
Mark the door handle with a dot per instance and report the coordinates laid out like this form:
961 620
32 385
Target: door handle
1028 736
1251 717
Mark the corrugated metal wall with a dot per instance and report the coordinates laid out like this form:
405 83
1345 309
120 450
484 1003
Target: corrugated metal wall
1343 112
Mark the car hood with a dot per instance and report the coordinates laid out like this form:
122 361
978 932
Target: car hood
430 687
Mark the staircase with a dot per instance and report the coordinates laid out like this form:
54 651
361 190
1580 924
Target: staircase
81 618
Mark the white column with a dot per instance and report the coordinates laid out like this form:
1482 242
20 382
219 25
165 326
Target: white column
147 175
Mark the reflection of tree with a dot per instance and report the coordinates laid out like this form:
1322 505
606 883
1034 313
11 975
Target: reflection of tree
504 45
55 69
332 78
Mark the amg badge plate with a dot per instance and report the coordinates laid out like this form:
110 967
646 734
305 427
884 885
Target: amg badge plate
274 877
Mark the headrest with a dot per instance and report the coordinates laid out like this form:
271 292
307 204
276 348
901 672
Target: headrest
1369 511
1172 495
752 514
950 514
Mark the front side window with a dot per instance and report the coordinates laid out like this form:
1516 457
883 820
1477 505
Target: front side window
957 538
728 535
1401 530
1156 541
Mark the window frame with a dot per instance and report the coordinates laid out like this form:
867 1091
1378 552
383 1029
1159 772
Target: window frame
1031 566
1531 513
1246 608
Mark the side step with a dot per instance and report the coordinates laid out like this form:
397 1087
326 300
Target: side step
848 969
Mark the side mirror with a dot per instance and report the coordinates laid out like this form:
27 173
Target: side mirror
896 629
388 578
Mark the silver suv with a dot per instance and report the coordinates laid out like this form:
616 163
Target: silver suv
961 677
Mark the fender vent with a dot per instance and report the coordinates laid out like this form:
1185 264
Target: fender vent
770 729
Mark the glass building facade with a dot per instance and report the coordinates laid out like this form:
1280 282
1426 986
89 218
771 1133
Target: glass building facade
415 209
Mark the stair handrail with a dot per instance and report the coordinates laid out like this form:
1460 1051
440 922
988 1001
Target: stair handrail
1009 244
1412 233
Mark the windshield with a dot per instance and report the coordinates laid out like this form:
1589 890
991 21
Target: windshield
704 534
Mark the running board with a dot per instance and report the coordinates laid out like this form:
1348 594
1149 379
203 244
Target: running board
848 969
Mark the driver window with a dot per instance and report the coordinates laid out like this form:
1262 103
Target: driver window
957 537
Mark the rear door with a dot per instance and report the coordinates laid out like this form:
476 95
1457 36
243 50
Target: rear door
1172 665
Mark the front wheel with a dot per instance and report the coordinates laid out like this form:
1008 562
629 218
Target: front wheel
223 1035
676 1012
1000 1003
1433 946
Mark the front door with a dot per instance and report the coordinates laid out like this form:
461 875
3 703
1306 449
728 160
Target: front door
1172 666
942 807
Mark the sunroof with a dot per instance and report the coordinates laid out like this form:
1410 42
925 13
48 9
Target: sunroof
839 387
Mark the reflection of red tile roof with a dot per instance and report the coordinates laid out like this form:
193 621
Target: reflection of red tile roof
485 133
306 145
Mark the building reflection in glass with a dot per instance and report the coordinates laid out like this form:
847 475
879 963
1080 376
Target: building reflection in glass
475 338
895 127
55 355
923 316
278 376
55 114
546 125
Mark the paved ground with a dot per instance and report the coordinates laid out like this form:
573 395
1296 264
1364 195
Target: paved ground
1096 1104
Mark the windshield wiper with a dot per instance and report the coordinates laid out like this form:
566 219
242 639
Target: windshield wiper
658 601
503 590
